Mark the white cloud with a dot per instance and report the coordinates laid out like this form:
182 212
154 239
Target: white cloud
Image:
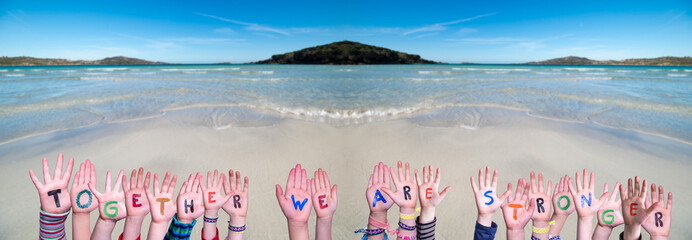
249 26
442 26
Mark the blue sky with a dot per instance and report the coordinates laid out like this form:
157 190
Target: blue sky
242 31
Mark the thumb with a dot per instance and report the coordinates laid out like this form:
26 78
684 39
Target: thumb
651 209
334 190
445 191
93 189
388 192
279 193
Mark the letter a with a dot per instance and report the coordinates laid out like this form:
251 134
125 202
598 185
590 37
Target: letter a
378 197
297 205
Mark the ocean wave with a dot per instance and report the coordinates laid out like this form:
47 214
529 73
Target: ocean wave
256 72
94 74
106 69
14 75
3 70
597 73
676 75
434 72
585 69
344 70
688 70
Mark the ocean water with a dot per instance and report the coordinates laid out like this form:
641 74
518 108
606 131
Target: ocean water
36 100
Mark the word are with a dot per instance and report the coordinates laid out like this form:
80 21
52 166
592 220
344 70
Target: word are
135 200
297 204
323 204
162 201
236 201
114 208
407 193
539 205
486 194
79 196
378 197
428 192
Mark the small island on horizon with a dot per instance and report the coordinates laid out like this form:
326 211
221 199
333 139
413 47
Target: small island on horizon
346 53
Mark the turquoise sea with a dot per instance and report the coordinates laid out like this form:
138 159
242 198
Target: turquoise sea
36 100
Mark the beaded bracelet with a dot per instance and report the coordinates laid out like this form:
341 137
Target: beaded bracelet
370 232
406 227
409 216
236 229
554 237
365 237
405 237
210 220
534 238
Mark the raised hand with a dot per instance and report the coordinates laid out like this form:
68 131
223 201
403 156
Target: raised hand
485 192
584 195
609 214
540 196
563 203
297 201
324 197
406 190
190 203
211 192
634 211
658 225
428 194
378 202
161 203
82 198
112 201
53 192
237 202
516 212
135 196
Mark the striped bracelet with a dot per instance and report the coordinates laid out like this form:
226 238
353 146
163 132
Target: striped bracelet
210 220
236 229
406 227
371 232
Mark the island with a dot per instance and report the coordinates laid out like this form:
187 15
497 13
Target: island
30 61
345 53
659 61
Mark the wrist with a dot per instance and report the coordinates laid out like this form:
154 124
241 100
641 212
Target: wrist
585 218
632 231
407 210
185 220
427 215
485 219
604 228
237 221
325 219
379 216
540 223
211 213
659 237
106 223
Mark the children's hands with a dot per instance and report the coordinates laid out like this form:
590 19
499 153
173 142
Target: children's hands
53 193
190 203
609 214
428 194
563 203
485 192
211 193
406 190
82 198
161 201
111 202
517 214
135 195
540 196
378 202
297 196
236 206
659 223
588 206
324 197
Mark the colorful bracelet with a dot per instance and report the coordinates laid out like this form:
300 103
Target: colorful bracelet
235 229
405 237
406 227
370 232
409 216
534 238
52 225
210 220
554 237
365 237
543 230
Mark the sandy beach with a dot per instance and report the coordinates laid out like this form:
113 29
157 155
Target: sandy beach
515 145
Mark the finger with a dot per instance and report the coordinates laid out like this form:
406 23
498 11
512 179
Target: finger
95 191
557 186
86 173
215 181
643 190
534 189
651 200
487 176
315 178
407 175
637 190
616 192
394 177
376 174
139 177
226 187
386 173
93 173
382 172
630 192
525 196
79 177
592 182
586 172
108 181
400 170
388 192
290 183
540 183
622 193
195 183
314 188
370 181
146 185
669 204
76 179
326 179
58 167
517 194
508 193
444 192
299 177
119 180
279 193
237 181
481 182
494 183
231 183
571 189
550 187
68 172
34 179
307 183
125 185
430 176
183 189
46 171
334 192
188 186
415 176
304 177
576 179
245 186
171 187
473 186
660 194
157 190
437 176
132 180
166 182
209 183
